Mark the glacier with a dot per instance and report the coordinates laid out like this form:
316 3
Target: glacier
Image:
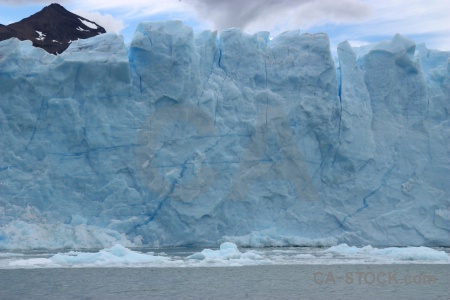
182 139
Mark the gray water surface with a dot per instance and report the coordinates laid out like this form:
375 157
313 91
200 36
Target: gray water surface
409 281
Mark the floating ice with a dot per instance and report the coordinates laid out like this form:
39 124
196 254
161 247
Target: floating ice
266 239
117 255
227 255
32 262
394 253
227 251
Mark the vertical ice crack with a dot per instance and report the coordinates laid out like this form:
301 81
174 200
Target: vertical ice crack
365 204
265 69
169 193
36 124
340 98
220 55
207 80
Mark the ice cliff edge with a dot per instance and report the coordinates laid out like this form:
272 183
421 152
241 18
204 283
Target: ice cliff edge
181 139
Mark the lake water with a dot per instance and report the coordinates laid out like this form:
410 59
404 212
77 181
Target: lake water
278 273
248 282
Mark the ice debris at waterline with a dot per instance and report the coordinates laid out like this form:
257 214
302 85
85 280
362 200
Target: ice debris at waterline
394 253
183 139
229 255
117 255
226 251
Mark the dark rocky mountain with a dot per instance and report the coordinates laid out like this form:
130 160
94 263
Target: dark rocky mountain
52 29
6 33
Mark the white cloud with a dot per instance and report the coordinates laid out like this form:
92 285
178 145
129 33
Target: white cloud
415 16
279 15
361 20
251 15
135 8
22 2
105 20
422 20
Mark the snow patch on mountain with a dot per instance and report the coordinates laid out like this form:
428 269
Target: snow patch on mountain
88 24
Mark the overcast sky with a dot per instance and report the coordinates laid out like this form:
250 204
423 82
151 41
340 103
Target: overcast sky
358 21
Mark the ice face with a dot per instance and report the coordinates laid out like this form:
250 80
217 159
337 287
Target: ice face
183 139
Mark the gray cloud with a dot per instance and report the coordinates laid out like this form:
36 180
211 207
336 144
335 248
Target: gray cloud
266 14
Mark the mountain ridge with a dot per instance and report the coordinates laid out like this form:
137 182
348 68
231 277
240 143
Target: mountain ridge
52 29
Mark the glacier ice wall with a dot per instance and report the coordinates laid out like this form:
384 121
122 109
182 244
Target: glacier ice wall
180 139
